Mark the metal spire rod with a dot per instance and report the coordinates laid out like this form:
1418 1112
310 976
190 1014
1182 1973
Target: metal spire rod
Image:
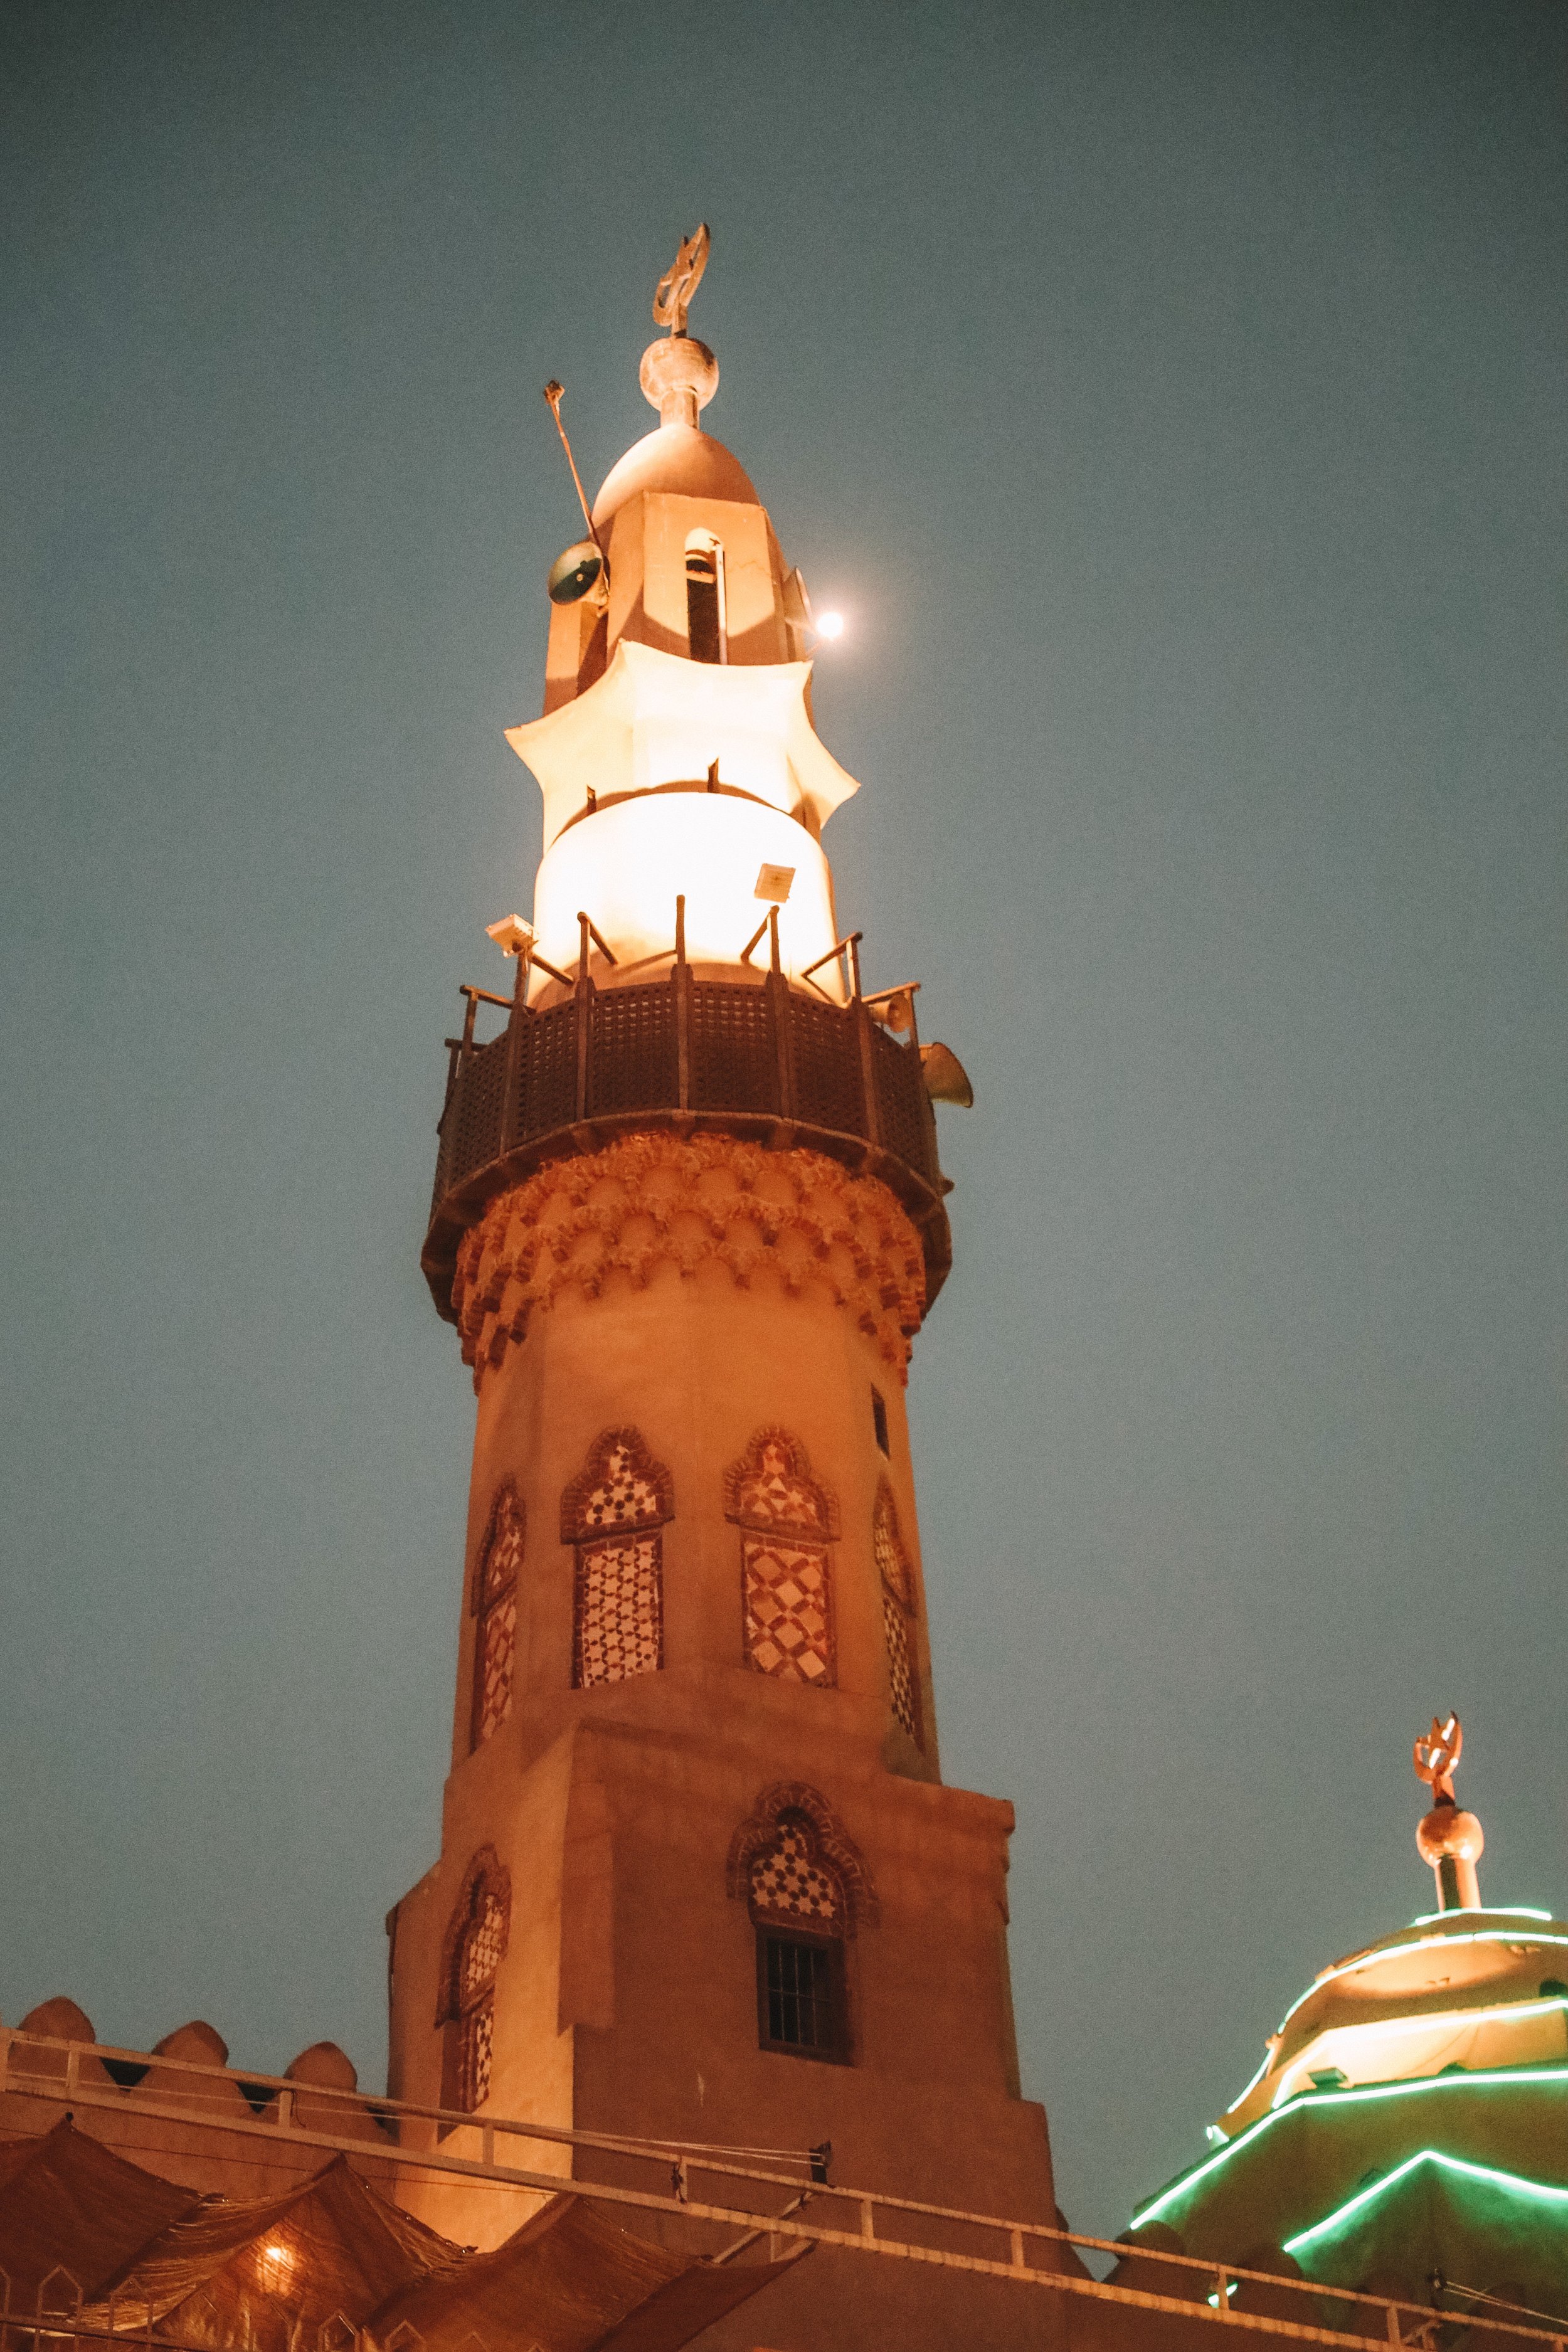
554 394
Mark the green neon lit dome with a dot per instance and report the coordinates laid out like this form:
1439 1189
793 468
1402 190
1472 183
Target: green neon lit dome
1410 2118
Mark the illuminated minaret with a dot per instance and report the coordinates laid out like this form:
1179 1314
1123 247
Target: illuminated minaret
699 1876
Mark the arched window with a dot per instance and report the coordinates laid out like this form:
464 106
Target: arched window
495 1605
613 1513
474 1948
803 1881
786 1522
897 1615
705 598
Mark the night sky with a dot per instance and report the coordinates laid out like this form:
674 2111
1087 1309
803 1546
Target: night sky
1168 395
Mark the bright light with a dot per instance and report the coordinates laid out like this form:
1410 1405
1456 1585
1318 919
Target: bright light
830 624
1514 2078
1512 2183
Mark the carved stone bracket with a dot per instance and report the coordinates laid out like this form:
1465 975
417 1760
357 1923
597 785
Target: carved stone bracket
650 1201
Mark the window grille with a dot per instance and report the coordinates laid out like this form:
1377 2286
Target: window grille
619 1612
475 1945
787 1585
495 1604
788 1612
898 1616
613 1513
477 2051
798 1996
798 1909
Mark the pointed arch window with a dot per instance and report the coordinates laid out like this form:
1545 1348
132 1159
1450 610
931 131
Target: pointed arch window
494 1604
786 1521
804 1883
705 616
898 1616
475 1947
613 1513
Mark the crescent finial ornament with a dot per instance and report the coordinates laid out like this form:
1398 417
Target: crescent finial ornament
672 298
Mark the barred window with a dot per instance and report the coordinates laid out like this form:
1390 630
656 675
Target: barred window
475 1943
798 1996
786 1521
495 1606
898 1616
798 1910
614 1513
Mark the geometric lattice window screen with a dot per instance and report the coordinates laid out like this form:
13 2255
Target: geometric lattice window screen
482 1947
898 1616
772 1491
790 1886
623 1496
495 1641
786 1581
479 1951
475 2054
612 1512
788 1606
902 1690
493 1657
503 1547
618 1628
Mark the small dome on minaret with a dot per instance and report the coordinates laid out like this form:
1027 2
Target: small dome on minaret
679 459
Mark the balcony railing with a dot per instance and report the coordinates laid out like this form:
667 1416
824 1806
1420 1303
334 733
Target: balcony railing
753 1055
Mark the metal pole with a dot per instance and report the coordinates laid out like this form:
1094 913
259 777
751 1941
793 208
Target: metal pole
510 1123
681 978
585 991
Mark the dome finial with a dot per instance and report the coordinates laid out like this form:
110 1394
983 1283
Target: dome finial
680 375
672 295
1450 1841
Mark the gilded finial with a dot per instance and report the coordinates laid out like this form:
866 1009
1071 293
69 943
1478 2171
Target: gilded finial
1436 1757
1450 1841
672 297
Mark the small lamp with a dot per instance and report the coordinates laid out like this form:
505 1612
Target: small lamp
511 935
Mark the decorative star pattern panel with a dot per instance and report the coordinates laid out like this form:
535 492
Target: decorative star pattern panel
478 2050
790 1885
774 1495
620 1629
624 1496
900 1671
483 1946
788 1612
493 1663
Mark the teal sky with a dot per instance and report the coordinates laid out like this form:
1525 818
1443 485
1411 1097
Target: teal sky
1170 397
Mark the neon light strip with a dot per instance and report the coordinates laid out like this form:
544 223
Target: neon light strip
1433 2023
1270 2054
1422 1944
1517 2077
1514 2182
1493 1911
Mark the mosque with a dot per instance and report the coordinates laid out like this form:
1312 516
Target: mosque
702 2011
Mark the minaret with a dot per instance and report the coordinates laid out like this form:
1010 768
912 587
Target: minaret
700 1876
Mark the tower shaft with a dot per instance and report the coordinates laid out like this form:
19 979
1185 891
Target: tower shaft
700 1878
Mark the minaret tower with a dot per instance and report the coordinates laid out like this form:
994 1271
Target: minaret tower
700 1876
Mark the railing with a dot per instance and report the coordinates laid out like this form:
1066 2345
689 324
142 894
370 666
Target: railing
754 1051
40 2066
